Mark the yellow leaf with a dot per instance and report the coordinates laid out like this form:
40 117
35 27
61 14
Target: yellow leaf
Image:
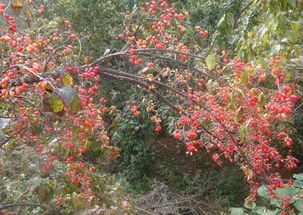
248 172
150 77
249 202
85 60
28 13
17 3
17 6
68 80
48 87
55 103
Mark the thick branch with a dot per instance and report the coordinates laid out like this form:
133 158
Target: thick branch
141 51
158 83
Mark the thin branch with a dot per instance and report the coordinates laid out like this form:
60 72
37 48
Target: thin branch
169 51
4 142
183 64
158 83
2 207
49 58
140 51
142 84
145 211
6 117
40 77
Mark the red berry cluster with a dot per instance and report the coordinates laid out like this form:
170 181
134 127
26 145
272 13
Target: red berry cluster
135 109
243 122
12 23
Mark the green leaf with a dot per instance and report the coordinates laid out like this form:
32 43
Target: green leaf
237 211
289 191
284 41
275 202
275 49
243 132
298 183
293 3
296 26
265 211
293 36
262 98
210 61
297 61
221 20
231 102
262 191
250 34
244 77
299 205
298 176
274 24
239 114
262 32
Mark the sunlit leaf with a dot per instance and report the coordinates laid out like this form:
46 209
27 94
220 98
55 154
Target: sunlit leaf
263 191
210 61
28 13
296 26
244 77
231 102
249 203
299 205
17 3
221 20
297 61
86 60
298 176
236 211
67 80
265 211
293 36
239 114
275 49
262 98
17 6
243 132
55 103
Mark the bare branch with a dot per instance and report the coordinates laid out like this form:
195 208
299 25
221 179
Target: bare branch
2 207
146 86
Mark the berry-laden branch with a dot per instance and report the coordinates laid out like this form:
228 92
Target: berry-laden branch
243 116
123 76
135 80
